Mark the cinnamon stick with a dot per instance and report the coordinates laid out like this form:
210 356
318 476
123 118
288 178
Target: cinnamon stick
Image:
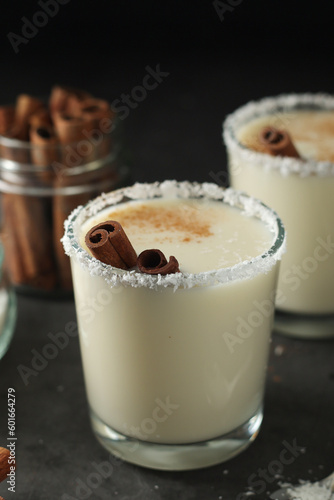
45 142
44 153
98 112
7 117
62 94
109 243
278 142
41 118
153 261
27 241
26 106
69 127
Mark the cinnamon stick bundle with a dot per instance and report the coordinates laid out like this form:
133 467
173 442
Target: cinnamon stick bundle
67 134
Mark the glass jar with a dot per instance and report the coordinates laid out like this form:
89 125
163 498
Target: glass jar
40 184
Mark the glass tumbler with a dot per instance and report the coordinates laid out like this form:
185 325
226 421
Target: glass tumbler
301 190
175 365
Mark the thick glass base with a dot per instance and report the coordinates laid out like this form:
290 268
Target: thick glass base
177 456
307 326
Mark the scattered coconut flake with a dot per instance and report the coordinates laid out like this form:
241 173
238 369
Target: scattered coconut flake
310 491
319 490
247 269
279 349
272 105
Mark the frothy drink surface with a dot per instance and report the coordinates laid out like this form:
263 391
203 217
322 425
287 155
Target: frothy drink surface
202 235
312 132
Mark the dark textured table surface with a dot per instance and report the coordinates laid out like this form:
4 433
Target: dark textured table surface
210 66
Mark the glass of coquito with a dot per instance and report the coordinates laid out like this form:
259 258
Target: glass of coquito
281 150
174 287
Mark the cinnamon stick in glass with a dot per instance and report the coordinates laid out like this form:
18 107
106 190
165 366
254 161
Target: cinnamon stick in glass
278 142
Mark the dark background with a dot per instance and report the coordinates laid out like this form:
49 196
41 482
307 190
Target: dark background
259 48
216 62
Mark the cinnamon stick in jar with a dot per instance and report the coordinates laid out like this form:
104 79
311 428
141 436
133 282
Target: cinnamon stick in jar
26 106
27 241
62 96
44 151
63 204
41 118
7 117
100 114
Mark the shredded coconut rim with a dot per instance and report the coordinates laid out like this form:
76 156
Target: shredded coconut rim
172 189
270 106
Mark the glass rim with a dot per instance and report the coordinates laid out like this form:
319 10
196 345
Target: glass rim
13 143
269 106
248 205
11 166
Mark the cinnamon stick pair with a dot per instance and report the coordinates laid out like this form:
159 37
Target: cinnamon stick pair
109 243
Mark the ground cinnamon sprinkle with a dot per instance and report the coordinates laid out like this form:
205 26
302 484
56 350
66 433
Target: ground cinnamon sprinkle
187 220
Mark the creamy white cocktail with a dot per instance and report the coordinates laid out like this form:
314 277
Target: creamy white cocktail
301 191
180 359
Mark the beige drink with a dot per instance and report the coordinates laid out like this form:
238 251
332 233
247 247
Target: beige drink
178 359
301 191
